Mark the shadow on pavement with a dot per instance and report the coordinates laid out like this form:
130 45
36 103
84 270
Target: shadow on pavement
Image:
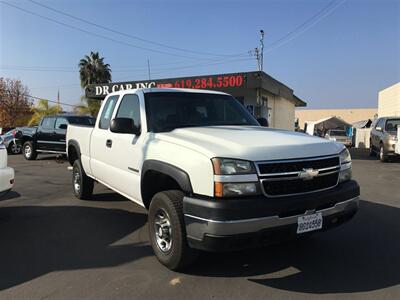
108 197
359 256
35 240
9 195
361 154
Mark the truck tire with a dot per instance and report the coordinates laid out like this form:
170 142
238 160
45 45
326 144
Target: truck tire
14 148
81 183
29 152
167 230
382 155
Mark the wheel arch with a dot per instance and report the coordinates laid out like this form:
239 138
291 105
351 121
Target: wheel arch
158 176
73 151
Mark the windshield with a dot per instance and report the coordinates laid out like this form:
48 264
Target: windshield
338 133
168 110
82 120
392 124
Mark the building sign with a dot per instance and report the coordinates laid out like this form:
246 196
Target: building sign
211 82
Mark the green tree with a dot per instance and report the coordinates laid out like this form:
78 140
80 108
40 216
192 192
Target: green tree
41 109
92 70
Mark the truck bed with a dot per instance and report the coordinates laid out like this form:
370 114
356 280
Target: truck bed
81 135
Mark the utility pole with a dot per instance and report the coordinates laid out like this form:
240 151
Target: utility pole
261 50
148 68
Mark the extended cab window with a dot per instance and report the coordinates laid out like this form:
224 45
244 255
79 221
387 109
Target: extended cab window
48 123
130 108
61 121
107 112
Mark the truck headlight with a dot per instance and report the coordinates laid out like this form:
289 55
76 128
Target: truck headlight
232 189
228 166
234 177
345 166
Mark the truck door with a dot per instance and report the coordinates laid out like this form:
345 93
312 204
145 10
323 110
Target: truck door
60 133
126 150
45 134
98 142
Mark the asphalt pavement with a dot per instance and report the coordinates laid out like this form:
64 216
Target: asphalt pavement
53 246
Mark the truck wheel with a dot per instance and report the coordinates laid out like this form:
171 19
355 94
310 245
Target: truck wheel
81 183
167 230
29 152
382 155
14 148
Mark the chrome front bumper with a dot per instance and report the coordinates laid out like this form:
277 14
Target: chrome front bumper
197 228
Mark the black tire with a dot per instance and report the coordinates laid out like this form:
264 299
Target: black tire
179 255
14 148
382 155
29 151
82 184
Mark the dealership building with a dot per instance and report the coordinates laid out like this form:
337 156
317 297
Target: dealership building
262 95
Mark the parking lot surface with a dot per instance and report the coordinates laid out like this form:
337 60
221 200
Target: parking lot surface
55 246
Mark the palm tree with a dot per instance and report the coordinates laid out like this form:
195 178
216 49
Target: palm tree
92 70
43 109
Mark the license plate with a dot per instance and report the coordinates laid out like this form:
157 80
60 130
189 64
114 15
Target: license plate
309 223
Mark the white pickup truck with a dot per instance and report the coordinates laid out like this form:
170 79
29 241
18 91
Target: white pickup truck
6 173
210 176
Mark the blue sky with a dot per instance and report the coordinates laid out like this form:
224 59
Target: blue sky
342 58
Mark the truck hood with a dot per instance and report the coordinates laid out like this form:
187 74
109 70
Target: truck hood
250 142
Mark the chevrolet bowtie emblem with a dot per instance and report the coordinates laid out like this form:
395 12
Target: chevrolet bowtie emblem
308 174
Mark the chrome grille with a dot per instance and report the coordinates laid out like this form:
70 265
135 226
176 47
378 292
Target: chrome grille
298 176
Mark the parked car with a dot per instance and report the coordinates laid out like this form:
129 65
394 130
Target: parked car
49 136
12 142
210 176
6 173
340 136
3 130
383 137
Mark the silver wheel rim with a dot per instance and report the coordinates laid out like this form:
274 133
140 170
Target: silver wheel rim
381 153
28 151
162 230
77 182
15 149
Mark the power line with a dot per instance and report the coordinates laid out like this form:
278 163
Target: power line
98 35
324 12
40 98
133 36
158 71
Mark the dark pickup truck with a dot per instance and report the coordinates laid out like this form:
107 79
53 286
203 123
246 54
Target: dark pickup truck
49 136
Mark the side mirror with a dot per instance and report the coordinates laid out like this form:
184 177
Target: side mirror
63 126
378 128
124 125
263 122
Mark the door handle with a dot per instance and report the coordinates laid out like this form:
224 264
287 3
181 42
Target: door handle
109 143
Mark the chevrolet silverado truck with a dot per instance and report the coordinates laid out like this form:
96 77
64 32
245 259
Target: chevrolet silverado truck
209 175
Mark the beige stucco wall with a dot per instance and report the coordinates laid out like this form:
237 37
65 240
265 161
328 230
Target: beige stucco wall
349 115
389 101
280 111
284 114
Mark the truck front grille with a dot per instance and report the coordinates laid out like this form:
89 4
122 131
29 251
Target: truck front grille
296 165
284 178
299 186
